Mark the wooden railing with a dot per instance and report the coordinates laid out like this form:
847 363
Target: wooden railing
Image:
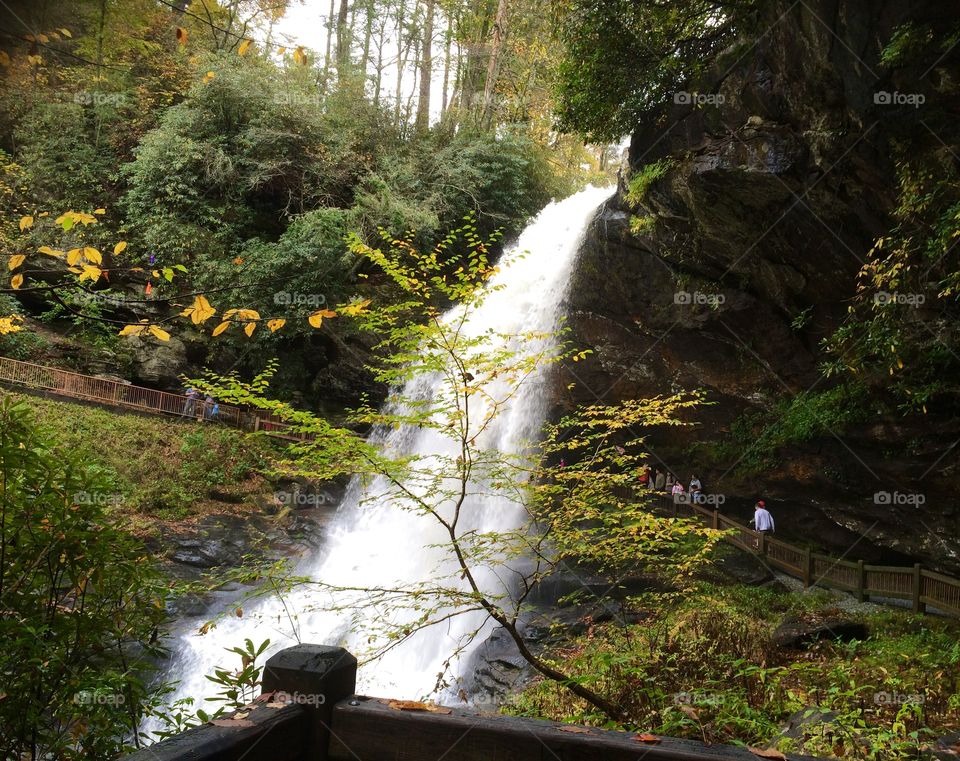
308 712
118 394
917 584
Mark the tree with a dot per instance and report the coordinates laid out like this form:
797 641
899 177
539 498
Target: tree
426 69
623 59
80 604
571 491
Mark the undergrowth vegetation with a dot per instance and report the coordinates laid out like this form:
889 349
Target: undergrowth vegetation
709 669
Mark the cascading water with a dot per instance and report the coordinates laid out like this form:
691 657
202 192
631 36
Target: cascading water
376 544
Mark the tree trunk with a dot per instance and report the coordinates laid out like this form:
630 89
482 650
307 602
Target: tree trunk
446 65
326 56
493 65
343 39
426 70
367 35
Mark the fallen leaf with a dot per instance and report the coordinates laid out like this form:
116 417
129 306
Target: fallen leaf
767 753
646 737
689 712
415 705
233 723
576 730
26 223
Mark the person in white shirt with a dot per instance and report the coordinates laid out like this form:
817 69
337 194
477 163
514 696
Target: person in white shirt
762 519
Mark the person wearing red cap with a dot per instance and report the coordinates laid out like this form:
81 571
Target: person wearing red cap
762 519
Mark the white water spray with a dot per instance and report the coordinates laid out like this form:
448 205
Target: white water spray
372 545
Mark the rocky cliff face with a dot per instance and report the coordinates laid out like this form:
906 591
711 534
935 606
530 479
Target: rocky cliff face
778 179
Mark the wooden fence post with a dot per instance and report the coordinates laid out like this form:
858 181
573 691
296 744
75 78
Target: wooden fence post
317 677
761 543
861 581
716 518
918 605
807 568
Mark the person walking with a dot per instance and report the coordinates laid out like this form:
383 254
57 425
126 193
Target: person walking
190 406
659 480
677 491
695 488
762 519
644 476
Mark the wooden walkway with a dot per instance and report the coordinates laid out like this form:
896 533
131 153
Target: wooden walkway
124 395
917 584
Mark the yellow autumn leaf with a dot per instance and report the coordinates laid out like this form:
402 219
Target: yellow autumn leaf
355 307
281 50
26 223
16 281
99 211
51 252
199 311
92 255
220 328
15 261
65 32
159 333
299 56
209 75
73 256
120 248
317 318
251 326
4 58
244 47
276 324
134 330
42 38
90 272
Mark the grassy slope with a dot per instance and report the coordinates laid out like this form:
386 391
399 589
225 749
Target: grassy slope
705 668
163 469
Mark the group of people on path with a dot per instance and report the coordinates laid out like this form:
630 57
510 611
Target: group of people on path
665 481
208 408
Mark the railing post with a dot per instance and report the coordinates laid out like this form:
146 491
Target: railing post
761 543
807 568
861 581
316 677
918 605
716 518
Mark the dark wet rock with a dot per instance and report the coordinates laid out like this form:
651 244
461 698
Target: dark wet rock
798 632
499 669
772 199
946 748
805 718
158 364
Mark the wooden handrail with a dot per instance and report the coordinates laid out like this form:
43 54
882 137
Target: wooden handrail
139 398
923 587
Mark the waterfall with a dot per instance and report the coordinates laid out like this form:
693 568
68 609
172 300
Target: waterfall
375 544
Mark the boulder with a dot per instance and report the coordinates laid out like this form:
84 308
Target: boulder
798 632
158 364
